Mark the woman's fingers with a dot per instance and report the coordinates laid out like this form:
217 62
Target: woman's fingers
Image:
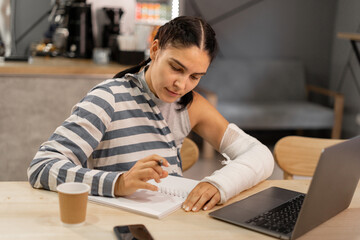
131 181
155 162
155 166
193 197
148 186
143 170
157 159
150 173
203 196
213 201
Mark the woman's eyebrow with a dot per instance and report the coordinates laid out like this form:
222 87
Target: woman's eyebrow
185 68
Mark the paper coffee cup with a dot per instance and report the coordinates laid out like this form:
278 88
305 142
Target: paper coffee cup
73 198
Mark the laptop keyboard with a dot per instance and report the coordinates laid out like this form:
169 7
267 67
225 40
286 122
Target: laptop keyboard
280 219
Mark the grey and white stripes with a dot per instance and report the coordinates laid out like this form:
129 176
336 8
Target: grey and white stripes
114 126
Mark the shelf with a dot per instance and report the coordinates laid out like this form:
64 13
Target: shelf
158 22
350 36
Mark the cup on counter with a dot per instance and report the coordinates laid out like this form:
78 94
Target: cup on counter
101 55
73 197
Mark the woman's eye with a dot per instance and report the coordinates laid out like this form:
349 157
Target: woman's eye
175 69
194 78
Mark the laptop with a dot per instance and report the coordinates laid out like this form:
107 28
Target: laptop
287 214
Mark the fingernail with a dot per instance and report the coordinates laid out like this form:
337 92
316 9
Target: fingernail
205 208
194 209
187 209
183 206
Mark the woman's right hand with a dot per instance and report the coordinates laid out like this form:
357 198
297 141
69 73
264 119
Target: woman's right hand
137 177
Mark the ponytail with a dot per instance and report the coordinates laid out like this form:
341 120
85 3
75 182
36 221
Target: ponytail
132 69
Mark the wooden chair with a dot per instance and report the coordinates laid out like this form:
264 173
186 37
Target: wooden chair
299 155
189 153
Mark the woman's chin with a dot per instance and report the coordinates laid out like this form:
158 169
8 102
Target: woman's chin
169 99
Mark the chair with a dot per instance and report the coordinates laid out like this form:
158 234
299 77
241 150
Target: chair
297 155
189 153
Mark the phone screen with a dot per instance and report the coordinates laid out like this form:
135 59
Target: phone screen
135 231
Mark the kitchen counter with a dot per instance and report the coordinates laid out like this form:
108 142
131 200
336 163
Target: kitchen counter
60 66
37 97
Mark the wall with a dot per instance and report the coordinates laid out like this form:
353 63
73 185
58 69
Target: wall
300 29
346 79
24 14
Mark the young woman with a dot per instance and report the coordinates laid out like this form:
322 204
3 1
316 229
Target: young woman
117 135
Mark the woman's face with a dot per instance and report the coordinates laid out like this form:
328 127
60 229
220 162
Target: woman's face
173 72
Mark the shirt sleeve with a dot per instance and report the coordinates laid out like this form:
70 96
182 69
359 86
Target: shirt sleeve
64 156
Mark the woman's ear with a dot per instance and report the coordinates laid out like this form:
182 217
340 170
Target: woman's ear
154 49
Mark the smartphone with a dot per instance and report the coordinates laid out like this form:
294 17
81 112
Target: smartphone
134 231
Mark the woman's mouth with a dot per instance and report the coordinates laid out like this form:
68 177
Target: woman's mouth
171 93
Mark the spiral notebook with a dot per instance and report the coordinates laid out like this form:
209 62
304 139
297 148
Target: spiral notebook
169 198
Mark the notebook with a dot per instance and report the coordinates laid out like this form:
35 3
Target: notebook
172 192
330 192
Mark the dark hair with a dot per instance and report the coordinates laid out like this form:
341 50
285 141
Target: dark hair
184 31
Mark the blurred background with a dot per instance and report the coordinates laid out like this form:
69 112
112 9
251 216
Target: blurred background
53 52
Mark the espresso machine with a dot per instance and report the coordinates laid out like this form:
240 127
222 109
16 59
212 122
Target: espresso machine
111 30
80 41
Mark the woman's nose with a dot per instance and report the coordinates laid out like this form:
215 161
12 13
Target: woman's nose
180 83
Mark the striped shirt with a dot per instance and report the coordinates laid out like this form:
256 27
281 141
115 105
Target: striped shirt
114 126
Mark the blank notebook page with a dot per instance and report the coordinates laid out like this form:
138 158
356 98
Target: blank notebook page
172 193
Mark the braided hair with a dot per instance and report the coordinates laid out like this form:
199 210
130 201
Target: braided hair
184 31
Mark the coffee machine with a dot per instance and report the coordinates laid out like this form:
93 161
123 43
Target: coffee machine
112 28
80 42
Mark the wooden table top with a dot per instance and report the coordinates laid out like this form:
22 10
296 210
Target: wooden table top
27 213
